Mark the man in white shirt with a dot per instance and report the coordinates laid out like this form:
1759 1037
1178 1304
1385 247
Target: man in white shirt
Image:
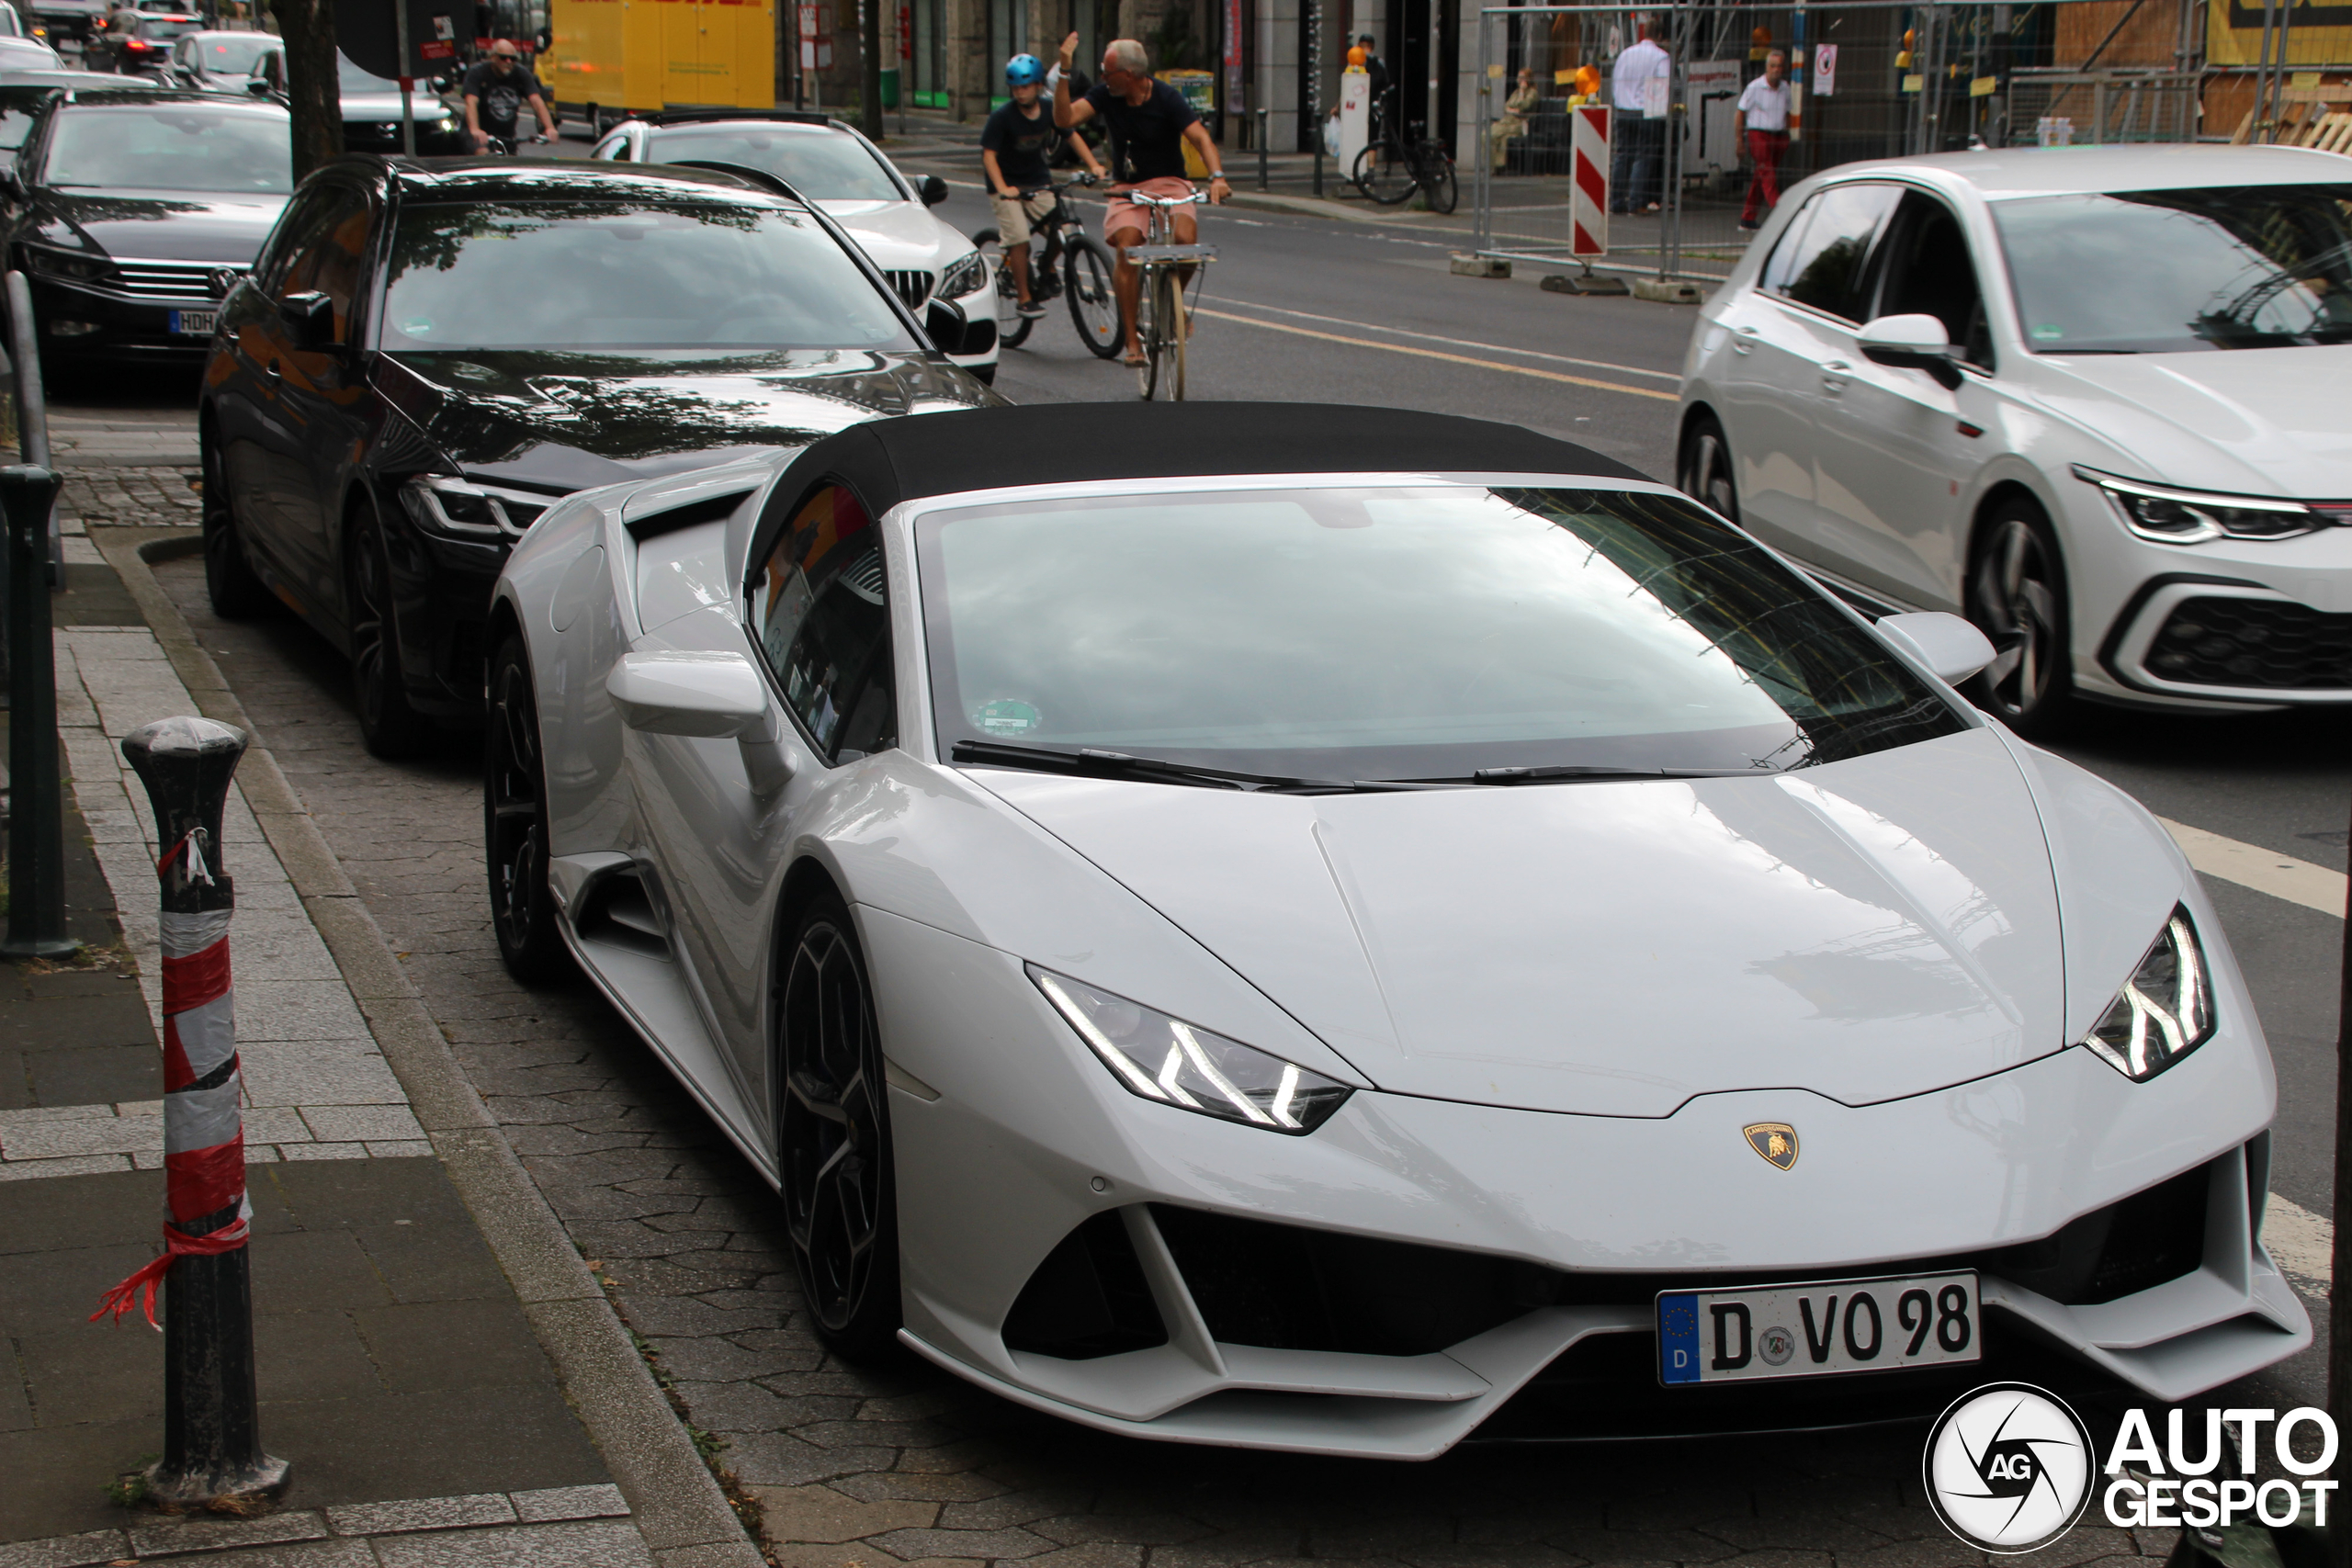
1763 123
1639 85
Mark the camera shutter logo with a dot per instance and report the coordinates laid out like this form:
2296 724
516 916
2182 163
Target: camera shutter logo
2009 1468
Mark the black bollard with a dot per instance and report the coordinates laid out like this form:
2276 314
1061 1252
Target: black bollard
35 826
211 1431
1262 150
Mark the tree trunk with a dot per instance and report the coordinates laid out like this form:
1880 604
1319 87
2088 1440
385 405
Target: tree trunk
869 108
312 82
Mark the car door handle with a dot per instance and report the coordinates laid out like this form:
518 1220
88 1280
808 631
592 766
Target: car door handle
1831 381
1743 340
271 370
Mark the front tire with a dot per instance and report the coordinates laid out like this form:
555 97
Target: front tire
391 729
1703 471
1445 192
237 592
1383 175
515 823
2016 596
840 1188
1093 303
1011 326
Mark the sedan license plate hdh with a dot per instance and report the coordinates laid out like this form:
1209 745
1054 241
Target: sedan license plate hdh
1837 1325
194 323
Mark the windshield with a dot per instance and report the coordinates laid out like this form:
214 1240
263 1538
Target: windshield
627 275
231 54
180 147
823 165
2161 271
352 79
177 26
11 25
1406 633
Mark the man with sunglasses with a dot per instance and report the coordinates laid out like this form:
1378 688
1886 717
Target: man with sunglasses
496 89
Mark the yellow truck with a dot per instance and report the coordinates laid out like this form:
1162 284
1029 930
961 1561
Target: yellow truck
610 59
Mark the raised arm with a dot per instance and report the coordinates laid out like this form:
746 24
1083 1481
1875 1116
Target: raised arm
1070 111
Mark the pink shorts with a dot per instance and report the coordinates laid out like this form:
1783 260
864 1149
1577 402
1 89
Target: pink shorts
1123 214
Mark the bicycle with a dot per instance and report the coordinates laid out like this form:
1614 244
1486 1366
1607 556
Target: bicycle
1070 263
1163 321
1389 173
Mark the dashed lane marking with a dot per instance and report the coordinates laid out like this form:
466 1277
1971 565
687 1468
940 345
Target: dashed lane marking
1438 354
1673 376
2265 871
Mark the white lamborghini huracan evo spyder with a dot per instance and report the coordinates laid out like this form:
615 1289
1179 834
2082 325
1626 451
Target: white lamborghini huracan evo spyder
1337 928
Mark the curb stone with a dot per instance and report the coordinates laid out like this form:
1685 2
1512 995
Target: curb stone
676 1503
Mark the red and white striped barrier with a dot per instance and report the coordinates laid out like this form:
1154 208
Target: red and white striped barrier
1589 190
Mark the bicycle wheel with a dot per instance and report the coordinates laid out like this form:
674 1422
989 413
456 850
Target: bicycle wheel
1176 329
1011 326
1384 173
1093 303
1148 332
1438 182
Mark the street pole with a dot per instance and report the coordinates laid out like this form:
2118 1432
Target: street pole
408 83
1315 86
35 826
1262 150
32 408
212 1451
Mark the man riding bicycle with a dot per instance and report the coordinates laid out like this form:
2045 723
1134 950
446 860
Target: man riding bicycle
1014 145
495 93
1149 123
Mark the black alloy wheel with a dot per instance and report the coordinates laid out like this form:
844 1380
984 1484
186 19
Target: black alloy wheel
2016 596
236 590
1011 326
1093 302
840 1197
515 823
1705 472
391 729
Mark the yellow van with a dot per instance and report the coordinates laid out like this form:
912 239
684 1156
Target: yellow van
610 59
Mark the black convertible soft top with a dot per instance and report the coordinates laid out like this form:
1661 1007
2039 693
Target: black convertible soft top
888 461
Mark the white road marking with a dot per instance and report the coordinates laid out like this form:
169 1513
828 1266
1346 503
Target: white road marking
1673 376
2301 1243
2265 871
1435 354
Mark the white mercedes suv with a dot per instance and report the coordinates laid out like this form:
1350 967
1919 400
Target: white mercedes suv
2094 398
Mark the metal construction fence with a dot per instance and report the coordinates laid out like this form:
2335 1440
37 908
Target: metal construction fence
1872 79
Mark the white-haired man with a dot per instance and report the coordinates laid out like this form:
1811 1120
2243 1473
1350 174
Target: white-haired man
1149 123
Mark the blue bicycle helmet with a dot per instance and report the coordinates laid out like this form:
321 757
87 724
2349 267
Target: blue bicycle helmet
1023 69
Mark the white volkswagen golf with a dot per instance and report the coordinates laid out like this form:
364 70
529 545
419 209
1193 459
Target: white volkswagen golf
2095 398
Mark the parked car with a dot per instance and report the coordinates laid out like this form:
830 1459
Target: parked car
429 357
139 41
831 164
22 54
132 211
372 108
1962 382
1155 988
215 62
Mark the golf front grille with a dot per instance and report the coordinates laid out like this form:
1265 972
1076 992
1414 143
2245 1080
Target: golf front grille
913 286
2269 644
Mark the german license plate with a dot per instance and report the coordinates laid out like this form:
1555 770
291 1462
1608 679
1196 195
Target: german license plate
194 323
1800 1331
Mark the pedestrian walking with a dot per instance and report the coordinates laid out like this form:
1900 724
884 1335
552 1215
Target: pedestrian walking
1639 85
1516 108
1763 126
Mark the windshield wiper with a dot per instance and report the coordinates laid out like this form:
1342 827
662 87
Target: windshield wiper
1580 774
1094 764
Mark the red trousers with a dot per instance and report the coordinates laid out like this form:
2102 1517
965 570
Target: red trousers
1764 147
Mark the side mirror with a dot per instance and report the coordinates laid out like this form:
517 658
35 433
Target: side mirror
1911 343
441 84
310 317
952 331
257 86
932 189
715 695
1947 645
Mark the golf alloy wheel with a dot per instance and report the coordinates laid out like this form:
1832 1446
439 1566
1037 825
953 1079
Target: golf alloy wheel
391 729
1704 474
2016 596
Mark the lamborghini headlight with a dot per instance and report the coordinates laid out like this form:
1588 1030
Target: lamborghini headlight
1178 1064
2164 1010
2191 517
966 275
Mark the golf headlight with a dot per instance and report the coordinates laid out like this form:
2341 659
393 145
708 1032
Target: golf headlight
458 509
2164 1011
964 275
75 266
2191 517
1178 1064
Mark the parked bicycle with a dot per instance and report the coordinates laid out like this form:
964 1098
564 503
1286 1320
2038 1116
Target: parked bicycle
1070 263
1388 173
1163 316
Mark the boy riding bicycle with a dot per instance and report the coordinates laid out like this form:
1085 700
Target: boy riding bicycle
1014 145
1149 123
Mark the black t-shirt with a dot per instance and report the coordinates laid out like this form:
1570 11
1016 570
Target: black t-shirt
1020 143
1147 138
503 97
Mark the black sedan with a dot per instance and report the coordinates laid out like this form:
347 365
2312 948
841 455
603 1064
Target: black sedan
132 211
428 356
372 108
